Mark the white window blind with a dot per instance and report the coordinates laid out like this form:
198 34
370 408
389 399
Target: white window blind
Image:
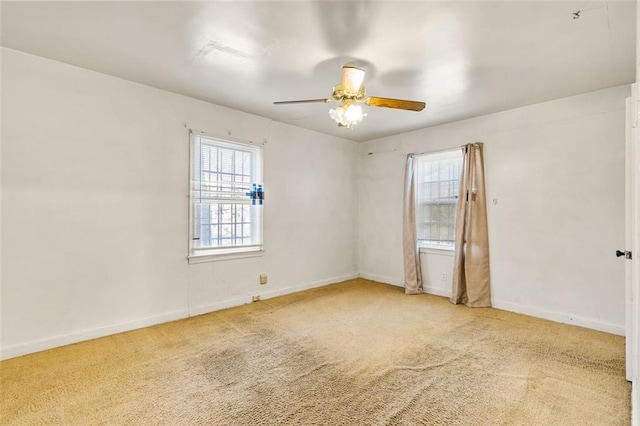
438 184
225 217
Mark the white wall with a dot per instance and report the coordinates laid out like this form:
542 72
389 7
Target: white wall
557 172
95 212
437 268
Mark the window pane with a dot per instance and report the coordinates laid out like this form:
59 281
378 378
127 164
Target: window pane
222 176
438 183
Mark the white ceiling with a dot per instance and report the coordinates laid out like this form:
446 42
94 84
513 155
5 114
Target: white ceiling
463 59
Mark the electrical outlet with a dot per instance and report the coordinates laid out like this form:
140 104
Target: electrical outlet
263 279
256 298
443 277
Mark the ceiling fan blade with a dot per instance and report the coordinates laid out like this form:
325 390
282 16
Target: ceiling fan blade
352 79
303 101
395 103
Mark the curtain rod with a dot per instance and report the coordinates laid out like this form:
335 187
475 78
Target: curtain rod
442 150
224 138
382 152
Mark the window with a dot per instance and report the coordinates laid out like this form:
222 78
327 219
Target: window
438 184
225 208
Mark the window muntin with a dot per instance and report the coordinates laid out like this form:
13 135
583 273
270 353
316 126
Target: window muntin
437 188
223 218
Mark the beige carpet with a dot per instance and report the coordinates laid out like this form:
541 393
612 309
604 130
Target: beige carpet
354 353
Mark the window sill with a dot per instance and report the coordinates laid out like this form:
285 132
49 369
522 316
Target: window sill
219 255
443 251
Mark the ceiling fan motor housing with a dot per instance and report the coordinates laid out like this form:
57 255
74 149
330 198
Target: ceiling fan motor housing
340 93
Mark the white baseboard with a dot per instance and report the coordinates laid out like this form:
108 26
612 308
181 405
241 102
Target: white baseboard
314 284
88 334
561 317
438 291
218 306
212 307
400 283
382 279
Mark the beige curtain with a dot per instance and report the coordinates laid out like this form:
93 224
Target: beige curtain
471 262
412 273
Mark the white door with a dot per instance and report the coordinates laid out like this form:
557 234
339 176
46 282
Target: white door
631 124
631 252
633 202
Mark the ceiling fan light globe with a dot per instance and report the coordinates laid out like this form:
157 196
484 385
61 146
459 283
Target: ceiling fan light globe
347 114
336 114
353 113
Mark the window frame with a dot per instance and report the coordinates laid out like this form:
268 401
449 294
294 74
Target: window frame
233 252
431 245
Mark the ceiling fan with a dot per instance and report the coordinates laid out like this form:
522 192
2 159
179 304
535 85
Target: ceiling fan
349 93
